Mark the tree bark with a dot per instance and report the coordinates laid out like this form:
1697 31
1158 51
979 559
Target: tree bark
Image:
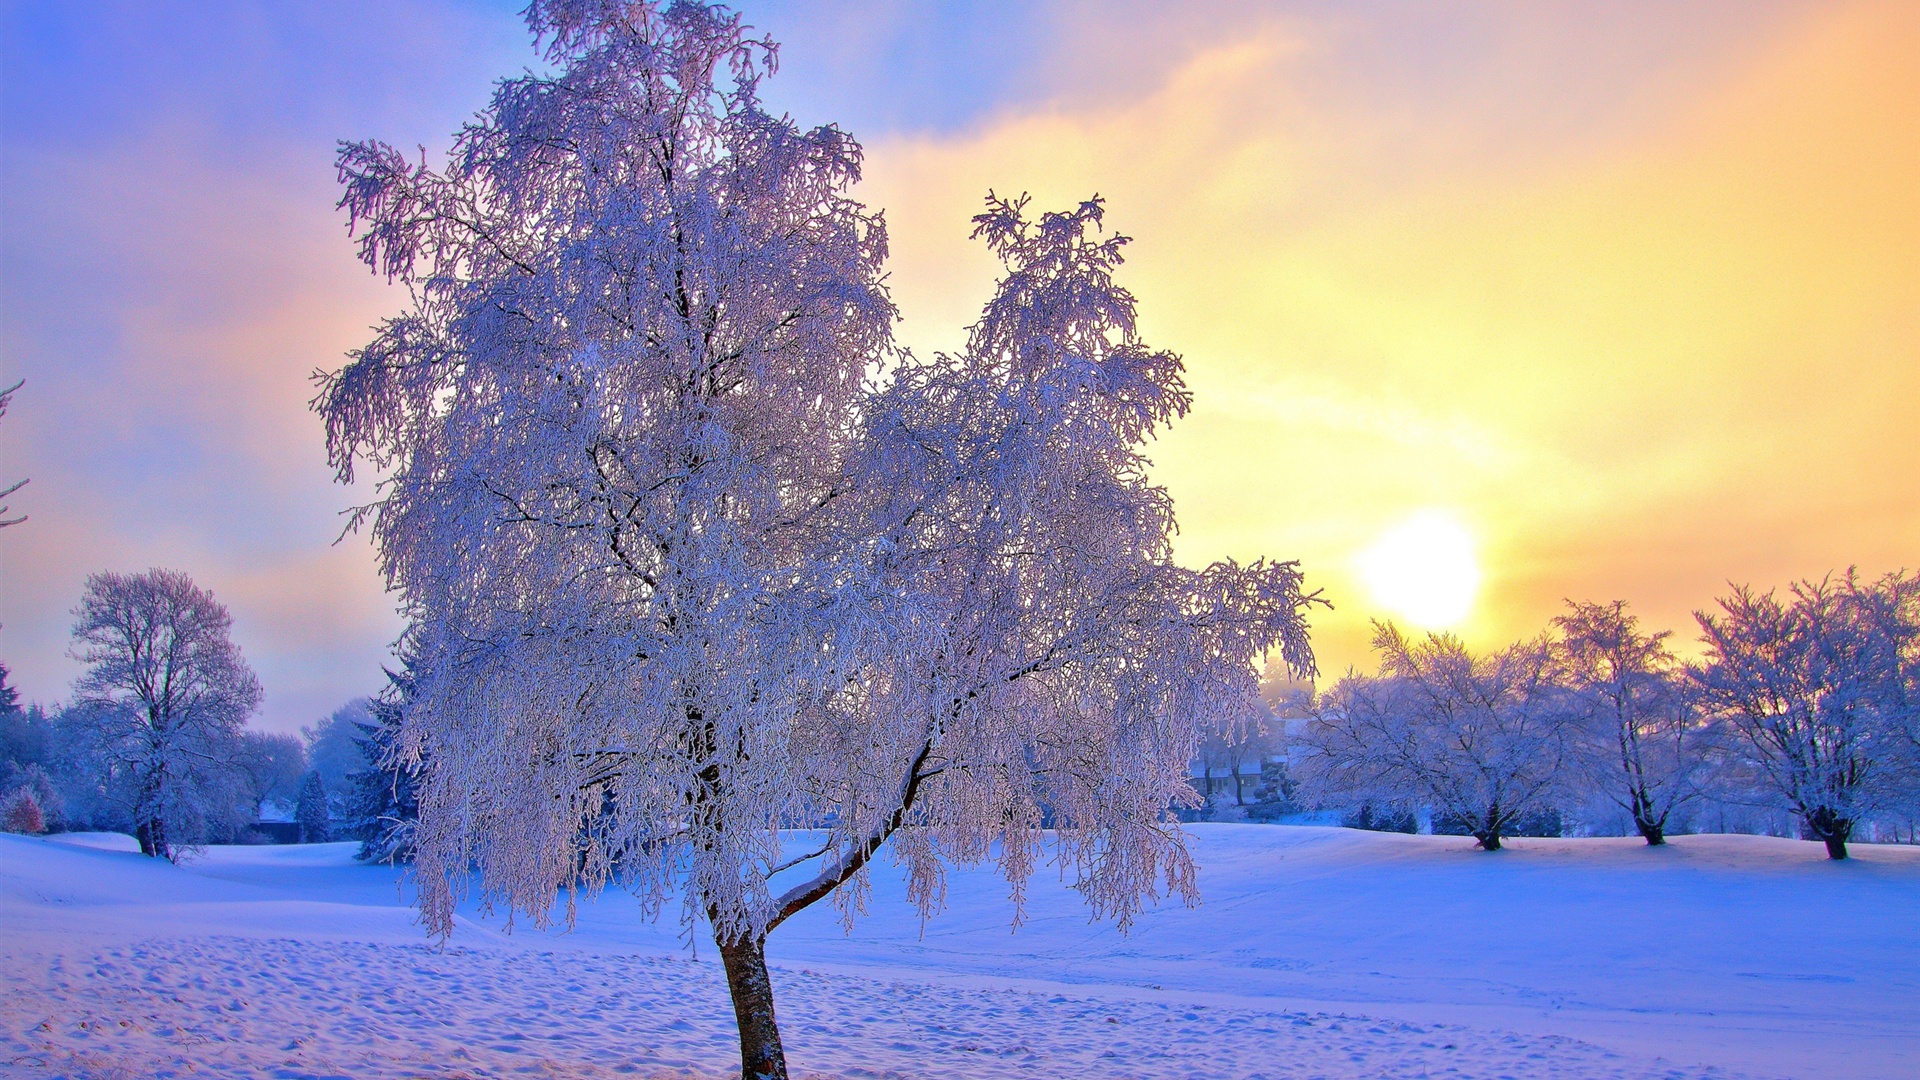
1489 834
148 827
761 1056
1653 829
1828 826
152 843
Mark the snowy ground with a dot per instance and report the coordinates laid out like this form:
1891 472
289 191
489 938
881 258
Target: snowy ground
1317 952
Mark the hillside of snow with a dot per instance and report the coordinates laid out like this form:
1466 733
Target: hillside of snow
1315 952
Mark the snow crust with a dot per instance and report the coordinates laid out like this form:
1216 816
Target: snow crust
1315 952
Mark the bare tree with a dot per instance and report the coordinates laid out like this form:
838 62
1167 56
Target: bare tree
1818 687
1233 745
685 572
1901 700
165 694
1647 746
273 766
6 398
1482 740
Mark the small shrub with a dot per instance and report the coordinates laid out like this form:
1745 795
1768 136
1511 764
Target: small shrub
1269 812
1382 819
22 814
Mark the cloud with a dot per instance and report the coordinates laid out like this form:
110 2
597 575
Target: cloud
1649 330
164 419
173 270
1629 289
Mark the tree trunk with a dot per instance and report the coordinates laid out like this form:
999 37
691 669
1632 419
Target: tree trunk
1489 833
147 826
1652 828
761 1057
1827 825
151 841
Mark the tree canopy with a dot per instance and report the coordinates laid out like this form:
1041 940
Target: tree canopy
165 695
694 556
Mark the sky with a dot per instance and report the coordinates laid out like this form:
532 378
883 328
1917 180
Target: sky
1513 303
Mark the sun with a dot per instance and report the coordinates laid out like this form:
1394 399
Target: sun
1423 570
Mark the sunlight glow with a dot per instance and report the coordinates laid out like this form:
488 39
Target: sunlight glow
1423 570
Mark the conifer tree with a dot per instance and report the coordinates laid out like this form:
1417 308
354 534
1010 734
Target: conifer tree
315 821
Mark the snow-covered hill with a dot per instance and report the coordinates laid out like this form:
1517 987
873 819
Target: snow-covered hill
1316 952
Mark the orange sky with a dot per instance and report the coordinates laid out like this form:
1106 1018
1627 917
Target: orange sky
1667 346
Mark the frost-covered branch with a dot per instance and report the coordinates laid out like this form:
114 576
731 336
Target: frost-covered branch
1484 740
1818 686
6 398
685 574
166 693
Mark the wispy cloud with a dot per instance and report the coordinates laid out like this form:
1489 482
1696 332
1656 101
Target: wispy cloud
1634 296
1633 290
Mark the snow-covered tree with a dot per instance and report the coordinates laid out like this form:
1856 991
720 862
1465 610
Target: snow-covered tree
164 697
1818 687
383 810
1646 746
311 812
20 812
333 747
26 744
682 577
1230 748
36 781
273 766
57 754
1900 712
1482 739
1056 660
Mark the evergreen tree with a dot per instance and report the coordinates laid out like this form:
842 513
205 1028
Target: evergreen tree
311 814
383 809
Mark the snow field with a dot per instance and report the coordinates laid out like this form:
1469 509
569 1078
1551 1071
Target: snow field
1316 952
278 1007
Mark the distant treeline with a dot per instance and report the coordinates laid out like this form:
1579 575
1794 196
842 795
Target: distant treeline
154 741
1803 713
